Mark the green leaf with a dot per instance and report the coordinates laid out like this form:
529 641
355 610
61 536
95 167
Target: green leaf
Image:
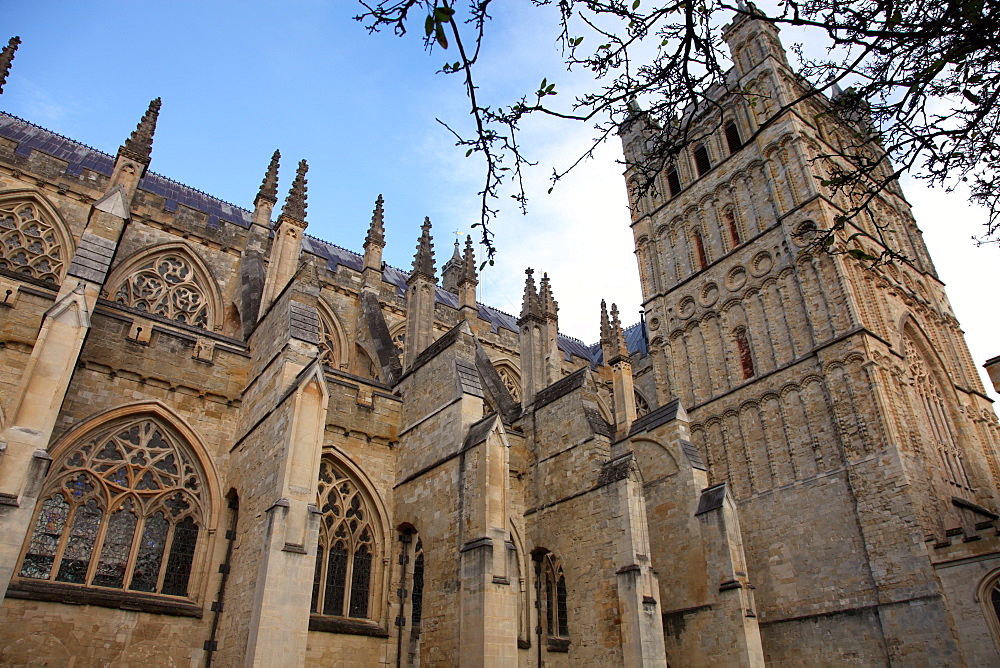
828 241
468 153
429 25
442 39
443 14
635 4
969 95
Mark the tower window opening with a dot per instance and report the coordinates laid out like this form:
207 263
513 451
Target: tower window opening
734 230
673 182
702 161
699 243
733 137
746 358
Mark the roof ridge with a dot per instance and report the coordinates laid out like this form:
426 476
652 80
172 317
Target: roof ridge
109 155
348 250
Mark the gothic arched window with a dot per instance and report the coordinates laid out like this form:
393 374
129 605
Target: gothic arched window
417 599
937 426
166 284
555 602
123 509
641 405
29 243
329 350
510 381
342 585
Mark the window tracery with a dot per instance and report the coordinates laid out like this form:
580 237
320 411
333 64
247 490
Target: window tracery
399 340
510 382
29 243
123 510
938 427
641 405
166 284
328 348
555 604
342 584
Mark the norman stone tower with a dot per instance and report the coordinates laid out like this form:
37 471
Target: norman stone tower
839 404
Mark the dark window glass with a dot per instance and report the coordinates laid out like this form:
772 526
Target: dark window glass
336 581
45 540
733 137
418 589
361 582
561 606
549 604
175 580
701 160
995 599
673 182
147 564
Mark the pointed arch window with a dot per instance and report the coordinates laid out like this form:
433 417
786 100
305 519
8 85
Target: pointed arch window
510 381
30 243
329 349
123 510
417 600
555 605
641 405
347 548
168 285
937 426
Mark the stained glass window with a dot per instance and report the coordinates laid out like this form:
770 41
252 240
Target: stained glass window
113 506
29 243
342 584
168 285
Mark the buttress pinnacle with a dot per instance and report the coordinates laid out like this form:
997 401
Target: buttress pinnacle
6 56
548 304
139 145
295 203
469 274
423 261
605 324
530 306
269 186
376 231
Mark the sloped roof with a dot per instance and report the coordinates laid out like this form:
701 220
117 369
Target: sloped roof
30 137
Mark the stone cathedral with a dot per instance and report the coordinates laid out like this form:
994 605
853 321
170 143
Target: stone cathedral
224 442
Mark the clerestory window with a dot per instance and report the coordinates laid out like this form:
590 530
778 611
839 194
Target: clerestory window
733 137
701 160
673 182
123 510
30 244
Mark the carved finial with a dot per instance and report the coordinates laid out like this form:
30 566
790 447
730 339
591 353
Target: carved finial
140 144
269 186
605 326
6 56
548 304
471 275
376 231
295 203
530 306
423 261
617 335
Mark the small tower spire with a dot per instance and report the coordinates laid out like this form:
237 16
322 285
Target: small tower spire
139 145
376 231
453 271
549 306
423 261
269 186
617 338
6 57
605 327
530 307
471 274
295 202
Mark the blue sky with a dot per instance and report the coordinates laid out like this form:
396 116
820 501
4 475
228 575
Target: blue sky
239 79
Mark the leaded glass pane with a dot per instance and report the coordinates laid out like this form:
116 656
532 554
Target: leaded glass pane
550 610
361 582
418 589
995 599
561 606
147 564
117 545
175 579
80 546
336 581
45 539
317 580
